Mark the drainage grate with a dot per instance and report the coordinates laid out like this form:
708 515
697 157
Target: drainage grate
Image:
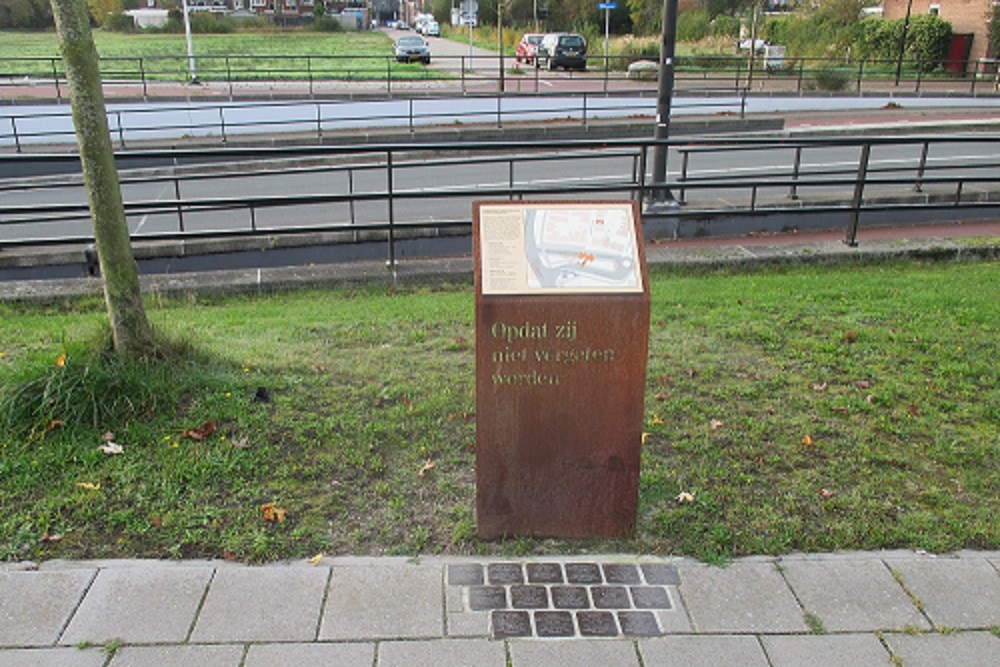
567 599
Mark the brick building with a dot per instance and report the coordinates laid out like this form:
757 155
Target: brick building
967 17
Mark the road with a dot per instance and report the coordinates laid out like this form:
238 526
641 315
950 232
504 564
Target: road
413 179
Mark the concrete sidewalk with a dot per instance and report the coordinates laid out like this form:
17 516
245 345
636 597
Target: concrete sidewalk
851 609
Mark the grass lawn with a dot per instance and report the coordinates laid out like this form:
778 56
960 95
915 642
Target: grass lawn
805 408
270 55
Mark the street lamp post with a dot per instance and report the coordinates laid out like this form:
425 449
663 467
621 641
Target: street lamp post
500 81
190 44
902 41
664 95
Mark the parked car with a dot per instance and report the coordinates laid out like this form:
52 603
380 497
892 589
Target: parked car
402 25
563 49
527 48
410 48
430 29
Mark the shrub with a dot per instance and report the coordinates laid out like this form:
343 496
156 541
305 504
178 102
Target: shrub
627 50
725 26
927 40
830 80
326 24
692 26
201 23
119 22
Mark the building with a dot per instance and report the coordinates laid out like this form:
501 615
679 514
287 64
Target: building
968 19
282 10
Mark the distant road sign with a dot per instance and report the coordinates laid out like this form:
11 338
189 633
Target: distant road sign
607 5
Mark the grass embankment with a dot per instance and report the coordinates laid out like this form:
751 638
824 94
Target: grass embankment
251 55
802 408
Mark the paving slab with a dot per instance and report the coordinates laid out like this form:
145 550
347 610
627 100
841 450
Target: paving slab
228 655
384 602
854 650
852 595
336 655
262 604
145 604
35 606
703 651
442 652
576 652
961 593
746 596
53 657
965 649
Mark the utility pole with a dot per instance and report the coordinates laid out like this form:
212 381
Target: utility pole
664 96
902 41
190 44
500 81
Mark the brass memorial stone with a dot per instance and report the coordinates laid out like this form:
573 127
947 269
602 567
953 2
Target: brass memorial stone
562 328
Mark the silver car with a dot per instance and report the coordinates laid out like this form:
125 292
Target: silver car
411 48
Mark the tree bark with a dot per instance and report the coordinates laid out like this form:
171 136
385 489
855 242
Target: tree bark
130 329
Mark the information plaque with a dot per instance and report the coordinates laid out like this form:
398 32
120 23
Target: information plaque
562 322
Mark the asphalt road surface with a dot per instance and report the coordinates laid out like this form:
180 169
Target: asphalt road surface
413 179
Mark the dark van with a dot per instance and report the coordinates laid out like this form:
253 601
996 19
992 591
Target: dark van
563 49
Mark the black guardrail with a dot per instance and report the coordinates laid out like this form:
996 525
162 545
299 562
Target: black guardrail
391 191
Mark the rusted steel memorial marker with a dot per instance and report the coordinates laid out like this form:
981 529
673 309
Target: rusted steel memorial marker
562 330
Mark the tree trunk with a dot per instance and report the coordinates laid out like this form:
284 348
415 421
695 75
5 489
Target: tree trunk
129 327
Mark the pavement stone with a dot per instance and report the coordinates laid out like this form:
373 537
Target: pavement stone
554 599
576 652
746 596
703 651
53 657
274 603
148 604
965 649
958 593
854 650
285 655
403 601
442 652
179 655
852 595
35 606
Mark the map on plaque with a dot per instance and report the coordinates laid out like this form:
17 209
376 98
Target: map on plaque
563 248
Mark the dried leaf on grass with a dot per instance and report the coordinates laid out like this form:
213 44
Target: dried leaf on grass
112 448
272 513
89 486
202 432
427 467
685 497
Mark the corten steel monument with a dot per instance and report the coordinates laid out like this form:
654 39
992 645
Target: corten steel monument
562 329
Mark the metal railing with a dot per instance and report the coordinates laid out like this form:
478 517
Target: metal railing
146 76
319 118
394 192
